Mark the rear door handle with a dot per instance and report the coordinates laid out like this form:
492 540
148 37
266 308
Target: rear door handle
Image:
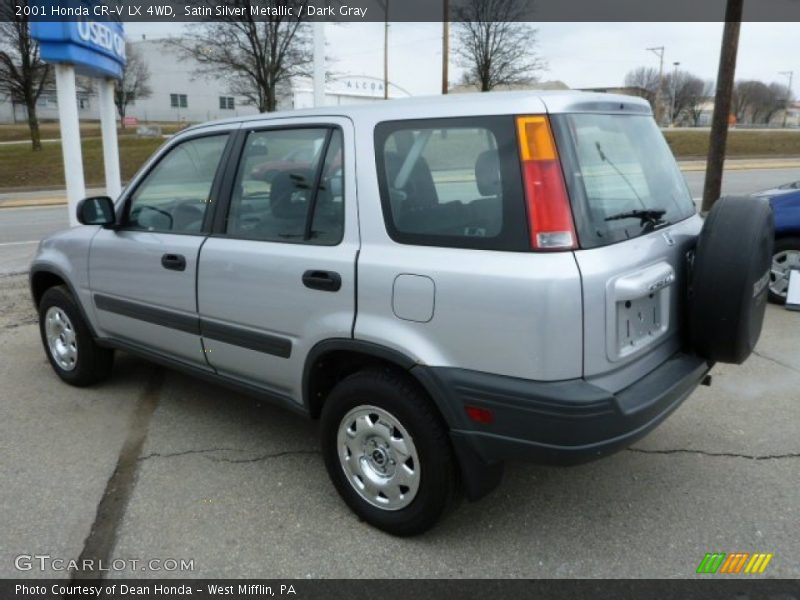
174 262
327 281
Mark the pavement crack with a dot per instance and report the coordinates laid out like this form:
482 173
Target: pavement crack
722 454
185 452
260 458
776 361
264 456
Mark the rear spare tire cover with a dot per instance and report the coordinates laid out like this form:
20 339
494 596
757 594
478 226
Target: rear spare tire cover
728 292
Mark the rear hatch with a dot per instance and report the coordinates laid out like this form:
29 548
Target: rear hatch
635 221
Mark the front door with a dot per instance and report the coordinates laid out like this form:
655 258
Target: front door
279 274
143 275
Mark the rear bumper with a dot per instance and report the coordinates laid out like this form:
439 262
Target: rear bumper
566 422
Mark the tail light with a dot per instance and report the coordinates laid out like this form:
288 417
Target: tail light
549 212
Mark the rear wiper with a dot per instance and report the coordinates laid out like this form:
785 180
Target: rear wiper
652 217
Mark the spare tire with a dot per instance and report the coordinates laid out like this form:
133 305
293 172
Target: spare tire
729 279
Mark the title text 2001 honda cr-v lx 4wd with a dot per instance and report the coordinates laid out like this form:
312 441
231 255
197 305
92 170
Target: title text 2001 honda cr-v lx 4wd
447 283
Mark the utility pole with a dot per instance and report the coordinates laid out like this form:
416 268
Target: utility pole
659 52
722 104
674 93
445 44
790 75
386 50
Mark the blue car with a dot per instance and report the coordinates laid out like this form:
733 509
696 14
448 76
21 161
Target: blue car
786 208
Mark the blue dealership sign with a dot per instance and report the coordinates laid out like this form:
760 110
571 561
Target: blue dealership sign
96 48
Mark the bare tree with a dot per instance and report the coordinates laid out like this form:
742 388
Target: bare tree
643 82
701 93
778 101
254 57
494 46
134 83
23 75
690 92
756 102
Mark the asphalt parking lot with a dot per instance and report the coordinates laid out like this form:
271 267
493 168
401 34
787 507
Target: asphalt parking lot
154 465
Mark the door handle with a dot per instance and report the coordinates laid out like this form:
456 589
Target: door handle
327 281
174 262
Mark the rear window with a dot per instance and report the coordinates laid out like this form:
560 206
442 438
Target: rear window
616 164
452 182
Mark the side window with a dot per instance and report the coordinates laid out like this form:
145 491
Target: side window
274 197
451 182
174 195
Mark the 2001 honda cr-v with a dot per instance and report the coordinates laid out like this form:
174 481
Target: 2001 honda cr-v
447 283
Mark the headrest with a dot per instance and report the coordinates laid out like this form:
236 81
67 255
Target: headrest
487 173
290 192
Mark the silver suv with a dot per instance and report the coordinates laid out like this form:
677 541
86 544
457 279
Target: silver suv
446 283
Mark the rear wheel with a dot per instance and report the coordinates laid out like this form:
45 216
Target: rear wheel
785 259
387 452
68 343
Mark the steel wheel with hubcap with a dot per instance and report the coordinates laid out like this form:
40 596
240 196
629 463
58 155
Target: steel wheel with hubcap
387 451
379 458
61 340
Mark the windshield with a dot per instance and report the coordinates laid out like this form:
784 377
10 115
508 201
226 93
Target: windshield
616 167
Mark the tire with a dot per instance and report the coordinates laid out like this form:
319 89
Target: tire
785 257
68 343
729 280
358 414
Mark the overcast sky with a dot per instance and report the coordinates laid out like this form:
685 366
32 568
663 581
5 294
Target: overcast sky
579 54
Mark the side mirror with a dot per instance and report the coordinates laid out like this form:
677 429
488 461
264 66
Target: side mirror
96 210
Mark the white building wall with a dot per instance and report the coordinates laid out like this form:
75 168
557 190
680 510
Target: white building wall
170 75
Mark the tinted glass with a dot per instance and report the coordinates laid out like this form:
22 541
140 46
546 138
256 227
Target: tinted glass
274 191
174 196
451 182
620 163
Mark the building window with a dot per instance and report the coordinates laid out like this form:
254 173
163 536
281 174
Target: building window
226 102
178 101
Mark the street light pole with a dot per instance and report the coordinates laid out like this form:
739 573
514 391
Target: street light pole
790 75
674 93
659 52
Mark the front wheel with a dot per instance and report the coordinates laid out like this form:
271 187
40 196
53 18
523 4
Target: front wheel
387 452
68 343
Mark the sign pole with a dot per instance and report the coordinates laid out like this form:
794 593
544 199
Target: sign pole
70 137
108 125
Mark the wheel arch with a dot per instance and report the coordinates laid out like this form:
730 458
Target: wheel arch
44 277
331 360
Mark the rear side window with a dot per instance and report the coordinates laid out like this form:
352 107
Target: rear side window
452 182
615 164
275 198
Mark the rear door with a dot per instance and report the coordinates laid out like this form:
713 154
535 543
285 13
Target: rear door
278 273
633 268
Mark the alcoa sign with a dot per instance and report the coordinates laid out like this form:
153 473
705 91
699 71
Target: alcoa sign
95 48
